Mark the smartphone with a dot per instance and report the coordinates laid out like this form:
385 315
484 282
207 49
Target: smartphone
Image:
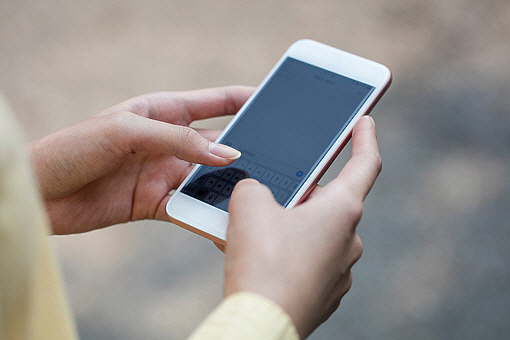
289 132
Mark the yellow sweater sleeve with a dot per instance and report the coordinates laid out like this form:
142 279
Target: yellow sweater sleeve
246 316
32 300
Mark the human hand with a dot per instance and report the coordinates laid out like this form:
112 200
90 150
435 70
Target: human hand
301 258
121 164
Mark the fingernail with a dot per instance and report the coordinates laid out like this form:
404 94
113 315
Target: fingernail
223 151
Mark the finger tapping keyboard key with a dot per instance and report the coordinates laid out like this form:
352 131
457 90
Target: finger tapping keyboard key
237 177
216 186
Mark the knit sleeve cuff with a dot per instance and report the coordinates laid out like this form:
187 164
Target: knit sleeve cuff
247 315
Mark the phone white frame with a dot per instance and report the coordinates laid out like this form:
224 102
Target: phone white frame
211 222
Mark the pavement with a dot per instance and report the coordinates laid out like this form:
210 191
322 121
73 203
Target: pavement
436 225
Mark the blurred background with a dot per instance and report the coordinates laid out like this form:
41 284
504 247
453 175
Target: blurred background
436 226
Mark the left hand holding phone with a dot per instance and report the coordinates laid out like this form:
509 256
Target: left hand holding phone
121 164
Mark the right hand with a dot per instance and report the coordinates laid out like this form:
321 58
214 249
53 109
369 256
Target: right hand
301 258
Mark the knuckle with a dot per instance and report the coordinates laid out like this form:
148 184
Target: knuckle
378 164
357 248
230 106
187 135
120 118
187 141
121 123
118 129
354 211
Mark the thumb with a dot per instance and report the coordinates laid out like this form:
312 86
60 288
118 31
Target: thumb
140 134
250 200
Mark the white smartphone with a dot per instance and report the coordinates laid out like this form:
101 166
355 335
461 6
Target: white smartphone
289 132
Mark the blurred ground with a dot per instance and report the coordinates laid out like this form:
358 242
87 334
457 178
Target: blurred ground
436 225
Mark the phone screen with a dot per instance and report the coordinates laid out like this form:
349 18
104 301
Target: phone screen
284 133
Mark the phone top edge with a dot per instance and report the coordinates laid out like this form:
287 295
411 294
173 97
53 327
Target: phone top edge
309 43
339 61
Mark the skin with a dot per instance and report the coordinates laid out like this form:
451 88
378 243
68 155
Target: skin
121 164
301 258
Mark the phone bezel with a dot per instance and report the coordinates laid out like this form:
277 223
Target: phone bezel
211 222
